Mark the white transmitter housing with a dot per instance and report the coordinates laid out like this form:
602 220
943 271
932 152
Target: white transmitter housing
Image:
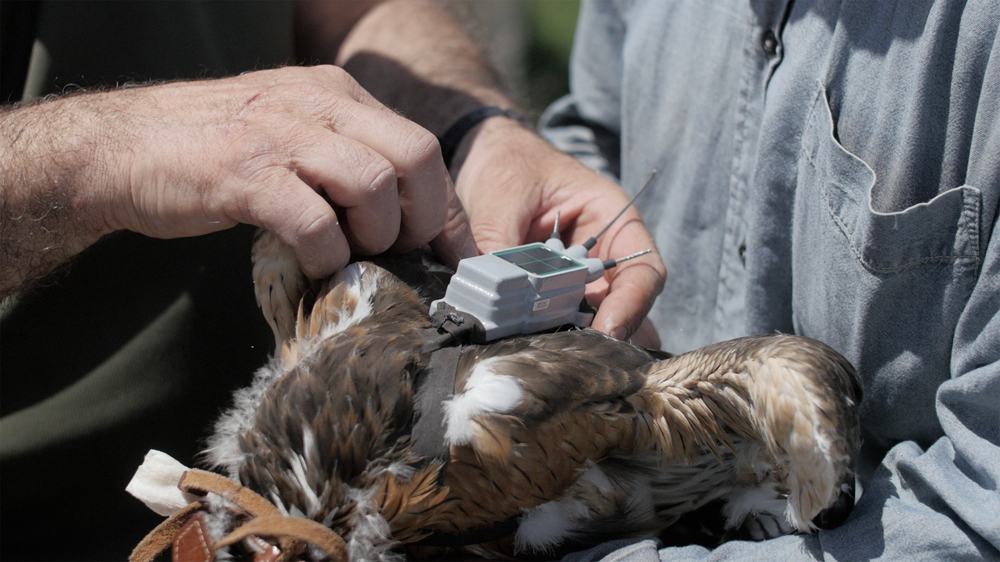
530 288
525 289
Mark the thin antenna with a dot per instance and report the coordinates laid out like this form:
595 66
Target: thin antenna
555 227
592 241
608 264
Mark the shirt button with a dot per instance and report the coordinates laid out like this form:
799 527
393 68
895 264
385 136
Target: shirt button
742 252
769 43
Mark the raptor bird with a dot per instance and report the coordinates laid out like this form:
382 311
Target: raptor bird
536 445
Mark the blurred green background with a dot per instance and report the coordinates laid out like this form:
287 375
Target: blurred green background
528 42
551 24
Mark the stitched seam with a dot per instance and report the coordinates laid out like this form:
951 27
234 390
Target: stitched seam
971 213
201 538
875 268
853 242
736 182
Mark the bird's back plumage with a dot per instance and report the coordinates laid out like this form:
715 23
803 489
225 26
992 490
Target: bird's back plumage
553 441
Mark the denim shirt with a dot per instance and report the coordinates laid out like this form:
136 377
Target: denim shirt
829 168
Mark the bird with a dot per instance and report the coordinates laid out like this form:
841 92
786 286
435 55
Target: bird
539 445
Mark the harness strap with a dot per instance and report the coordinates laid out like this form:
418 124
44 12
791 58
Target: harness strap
201 482
161 537
437 384
450 331
284 527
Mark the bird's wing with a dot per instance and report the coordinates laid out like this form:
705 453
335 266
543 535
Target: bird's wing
745 439
794 396
529 414
528 381
279 284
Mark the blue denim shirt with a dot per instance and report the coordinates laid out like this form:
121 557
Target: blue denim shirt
829 168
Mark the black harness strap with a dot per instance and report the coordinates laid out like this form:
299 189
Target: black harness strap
436 384
450 332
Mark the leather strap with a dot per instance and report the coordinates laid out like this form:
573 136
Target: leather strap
193 542
160 538
201 482
282 526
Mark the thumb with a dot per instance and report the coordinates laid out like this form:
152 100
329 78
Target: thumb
501 227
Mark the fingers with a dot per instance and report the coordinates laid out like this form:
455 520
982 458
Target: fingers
629 298
358 179
500 230
303 220
646 336
422 181
634 284
502 207
512 184
455 241
289 150
385 172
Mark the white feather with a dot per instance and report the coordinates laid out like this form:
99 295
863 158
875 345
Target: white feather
545 526
370 538
363 289
752 501
485 392
223 447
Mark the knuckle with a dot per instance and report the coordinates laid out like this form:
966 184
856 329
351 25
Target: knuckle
378 179
334 72
355 90
313 225
422 149
251 153
344 82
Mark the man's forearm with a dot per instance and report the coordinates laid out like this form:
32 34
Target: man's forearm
47 156
414 56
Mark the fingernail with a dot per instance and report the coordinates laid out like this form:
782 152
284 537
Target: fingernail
619 333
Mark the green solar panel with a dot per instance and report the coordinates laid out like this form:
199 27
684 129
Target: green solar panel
538 259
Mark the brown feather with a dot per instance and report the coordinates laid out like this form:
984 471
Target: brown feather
620 442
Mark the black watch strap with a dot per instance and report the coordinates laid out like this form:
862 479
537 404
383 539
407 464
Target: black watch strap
453 136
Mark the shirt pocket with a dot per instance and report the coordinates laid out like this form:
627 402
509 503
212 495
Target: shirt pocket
942 230
886 289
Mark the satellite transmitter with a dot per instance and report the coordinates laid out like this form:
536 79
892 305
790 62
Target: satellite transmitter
529 288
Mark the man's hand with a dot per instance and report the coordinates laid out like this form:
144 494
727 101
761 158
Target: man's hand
288 150
414 57
512 183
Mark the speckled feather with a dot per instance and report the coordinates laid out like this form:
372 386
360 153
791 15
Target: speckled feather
582 436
